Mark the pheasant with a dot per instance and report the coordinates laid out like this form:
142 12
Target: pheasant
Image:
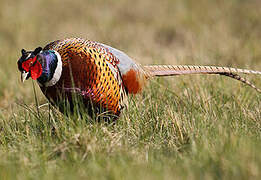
101 75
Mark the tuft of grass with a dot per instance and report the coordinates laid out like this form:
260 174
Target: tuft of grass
189 127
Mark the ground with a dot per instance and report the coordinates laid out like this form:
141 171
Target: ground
187 127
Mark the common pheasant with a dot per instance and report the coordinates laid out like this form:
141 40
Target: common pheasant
103 76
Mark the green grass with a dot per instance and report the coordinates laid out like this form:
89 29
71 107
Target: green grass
189 127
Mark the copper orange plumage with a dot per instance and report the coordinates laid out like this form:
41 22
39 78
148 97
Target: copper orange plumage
101 75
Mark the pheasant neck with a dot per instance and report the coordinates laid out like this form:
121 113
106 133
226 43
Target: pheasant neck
52 68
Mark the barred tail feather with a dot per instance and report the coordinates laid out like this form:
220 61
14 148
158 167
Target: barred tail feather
241 79
172 70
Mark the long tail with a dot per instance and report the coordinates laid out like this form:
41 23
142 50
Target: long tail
172 70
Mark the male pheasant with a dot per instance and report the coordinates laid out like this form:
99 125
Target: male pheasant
103 76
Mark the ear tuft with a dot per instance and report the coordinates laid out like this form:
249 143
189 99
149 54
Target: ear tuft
23 52
37 50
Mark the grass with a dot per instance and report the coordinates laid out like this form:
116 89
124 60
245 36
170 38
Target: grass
189 127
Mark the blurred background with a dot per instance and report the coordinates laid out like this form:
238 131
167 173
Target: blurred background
202 32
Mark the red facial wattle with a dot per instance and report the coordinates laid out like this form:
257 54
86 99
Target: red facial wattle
34 67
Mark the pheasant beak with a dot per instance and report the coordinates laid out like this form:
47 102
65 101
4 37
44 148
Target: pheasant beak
24 76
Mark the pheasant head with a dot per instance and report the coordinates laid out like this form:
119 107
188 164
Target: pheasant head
43 66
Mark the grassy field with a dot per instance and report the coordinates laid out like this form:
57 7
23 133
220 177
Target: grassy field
187 127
